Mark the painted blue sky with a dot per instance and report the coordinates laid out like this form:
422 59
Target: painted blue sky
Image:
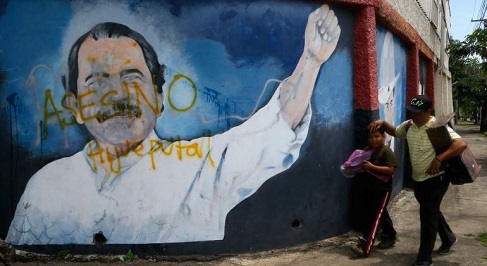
229 49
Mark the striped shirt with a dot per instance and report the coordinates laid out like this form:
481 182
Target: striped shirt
421 150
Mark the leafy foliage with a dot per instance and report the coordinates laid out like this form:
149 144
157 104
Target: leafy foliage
129 256
63 253
468 65
476 43
466 79
482 237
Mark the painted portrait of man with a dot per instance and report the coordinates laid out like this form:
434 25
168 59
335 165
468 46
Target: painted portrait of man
132 185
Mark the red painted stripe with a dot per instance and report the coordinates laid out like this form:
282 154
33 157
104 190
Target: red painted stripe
365 80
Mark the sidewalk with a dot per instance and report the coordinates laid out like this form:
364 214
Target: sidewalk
465 208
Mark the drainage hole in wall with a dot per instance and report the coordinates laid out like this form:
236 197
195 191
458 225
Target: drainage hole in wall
297 223
99 239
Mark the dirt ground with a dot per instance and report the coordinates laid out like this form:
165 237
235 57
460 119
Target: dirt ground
465 208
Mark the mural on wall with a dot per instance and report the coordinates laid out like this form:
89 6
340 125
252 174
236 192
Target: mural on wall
392 79
422 76
136 180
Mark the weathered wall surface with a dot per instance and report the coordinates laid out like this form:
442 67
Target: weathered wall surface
230 167
392 77
177 127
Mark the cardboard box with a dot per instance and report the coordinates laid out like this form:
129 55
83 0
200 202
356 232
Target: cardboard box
461 169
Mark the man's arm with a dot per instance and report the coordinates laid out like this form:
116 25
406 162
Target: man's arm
456 148
321 37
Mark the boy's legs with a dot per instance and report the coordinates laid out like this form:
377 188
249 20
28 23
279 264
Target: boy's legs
388 234
376 202
359 207
381 200
367 199
387 226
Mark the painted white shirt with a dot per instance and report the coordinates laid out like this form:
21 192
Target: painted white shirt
161 192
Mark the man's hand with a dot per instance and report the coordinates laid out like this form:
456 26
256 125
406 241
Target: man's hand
322 33
434 167
375 125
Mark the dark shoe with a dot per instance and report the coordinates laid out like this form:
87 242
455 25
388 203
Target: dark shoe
359 251
445 249
386 243
422 263
361 241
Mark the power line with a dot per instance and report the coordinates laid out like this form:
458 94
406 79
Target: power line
481 14
474 6
473 11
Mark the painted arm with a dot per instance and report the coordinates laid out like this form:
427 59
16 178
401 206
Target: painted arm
321 37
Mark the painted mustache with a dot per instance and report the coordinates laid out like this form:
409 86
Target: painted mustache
120 108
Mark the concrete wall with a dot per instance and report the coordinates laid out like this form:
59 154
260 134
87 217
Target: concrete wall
431 19
236 162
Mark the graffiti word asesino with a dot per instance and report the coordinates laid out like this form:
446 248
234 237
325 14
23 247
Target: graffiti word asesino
86 101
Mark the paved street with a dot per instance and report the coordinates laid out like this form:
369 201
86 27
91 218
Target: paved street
465 208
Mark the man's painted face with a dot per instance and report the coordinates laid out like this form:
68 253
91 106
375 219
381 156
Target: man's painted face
116 100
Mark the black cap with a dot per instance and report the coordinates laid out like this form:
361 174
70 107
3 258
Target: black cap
420 103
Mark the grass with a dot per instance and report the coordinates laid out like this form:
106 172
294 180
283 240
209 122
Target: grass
63 253
482 237
129 256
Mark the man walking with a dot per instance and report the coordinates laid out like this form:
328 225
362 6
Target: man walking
430 183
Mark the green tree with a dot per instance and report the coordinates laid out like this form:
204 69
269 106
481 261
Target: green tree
476 43
469 72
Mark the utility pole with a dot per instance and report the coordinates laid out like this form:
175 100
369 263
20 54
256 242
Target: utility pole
480 20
